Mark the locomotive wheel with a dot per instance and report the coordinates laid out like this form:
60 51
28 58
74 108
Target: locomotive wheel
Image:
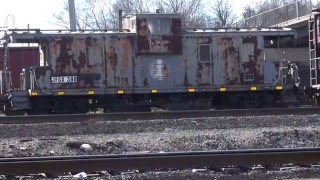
79 106
233 100
39 106
268 98
251 101
70 105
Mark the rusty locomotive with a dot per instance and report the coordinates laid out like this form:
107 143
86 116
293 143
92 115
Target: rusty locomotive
151 61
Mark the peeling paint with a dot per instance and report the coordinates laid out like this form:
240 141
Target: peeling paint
158 42
169 59
98 62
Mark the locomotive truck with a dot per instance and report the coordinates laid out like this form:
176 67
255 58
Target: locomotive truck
152 61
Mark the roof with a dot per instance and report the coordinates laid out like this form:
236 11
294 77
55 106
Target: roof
159 14
295 23
225 31
33 35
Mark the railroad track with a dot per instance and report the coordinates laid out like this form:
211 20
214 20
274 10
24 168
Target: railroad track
151 161
125 116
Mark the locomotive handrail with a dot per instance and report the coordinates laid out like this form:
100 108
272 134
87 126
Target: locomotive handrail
226 29
236 28
66 30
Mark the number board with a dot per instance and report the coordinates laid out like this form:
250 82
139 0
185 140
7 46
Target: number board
64 79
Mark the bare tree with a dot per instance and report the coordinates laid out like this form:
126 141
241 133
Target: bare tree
191 11
103 14
135 6
60 17
128 6
248 11
222 15
91 14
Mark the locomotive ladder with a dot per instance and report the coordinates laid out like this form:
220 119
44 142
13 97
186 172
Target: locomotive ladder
313 52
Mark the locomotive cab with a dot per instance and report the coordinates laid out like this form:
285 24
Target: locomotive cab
159 33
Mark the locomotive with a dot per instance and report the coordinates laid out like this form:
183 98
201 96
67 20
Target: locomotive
151 61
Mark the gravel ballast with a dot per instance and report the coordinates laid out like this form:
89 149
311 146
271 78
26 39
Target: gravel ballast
194 134
168 141
158 125
299 173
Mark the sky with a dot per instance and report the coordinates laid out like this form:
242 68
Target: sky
39 13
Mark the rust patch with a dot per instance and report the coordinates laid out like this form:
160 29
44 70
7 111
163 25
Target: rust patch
143 33
203 75
252 65
63 49
186 80
176 26
231 56
145 83
112 57
82 57
199 74
159 43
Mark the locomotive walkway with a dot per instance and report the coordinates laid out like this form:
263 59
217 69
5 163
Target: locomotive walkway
151 161
131 116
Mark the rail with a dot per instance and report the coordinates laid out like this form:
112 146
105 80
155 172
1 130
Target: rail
127 116
149 161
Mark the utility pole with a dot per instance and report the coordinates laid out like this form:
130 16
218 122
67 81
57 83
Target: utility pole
297 8
72 15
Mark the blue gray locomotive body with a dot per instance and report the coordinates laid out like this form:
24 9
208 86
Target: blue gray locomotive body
154 62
